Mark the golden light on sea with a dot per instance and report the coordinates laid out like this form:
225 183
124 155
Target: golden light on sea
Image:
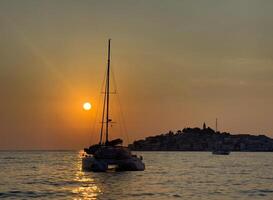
87 106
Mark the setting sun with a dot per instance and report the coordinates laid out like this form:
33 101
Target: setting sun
87 106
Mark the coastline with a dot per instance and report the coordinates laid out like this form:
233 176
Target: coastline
206 139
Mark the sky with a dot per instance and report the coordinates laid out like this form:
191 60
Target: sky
176 64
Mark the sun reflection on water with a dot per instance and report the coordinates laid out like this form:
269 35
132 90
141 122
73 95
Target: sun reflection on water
88 188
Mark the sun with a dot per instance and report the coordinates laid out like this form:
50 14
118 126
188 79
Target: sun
87 106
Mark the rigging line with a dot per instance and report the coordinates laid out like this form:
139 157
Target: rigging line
121 118
94 123
103 83
123 122
120 127
123 125
102 118
94 127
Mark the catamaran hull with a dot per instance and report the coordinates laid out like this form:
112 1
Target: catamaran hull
90 163
221 152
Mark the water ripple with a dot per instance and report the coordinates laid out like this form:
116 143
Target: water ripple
175 175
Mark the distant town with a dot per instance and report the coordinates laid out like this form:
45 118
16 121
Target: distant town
205 139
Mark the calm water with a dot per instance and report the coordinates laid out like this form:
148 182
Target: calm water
168 175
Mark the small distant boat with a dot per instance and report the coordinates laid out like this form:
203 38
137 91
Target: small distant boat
221 148
221 152
107 154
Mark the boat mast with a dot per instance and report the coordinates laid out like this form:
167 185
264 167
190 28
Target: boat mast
103 116
107 90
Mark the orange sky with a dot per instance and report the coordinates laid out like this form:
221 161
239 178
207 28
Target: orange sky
176 63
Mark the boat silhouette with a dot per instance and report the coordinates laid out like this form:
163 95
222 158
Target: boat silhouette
109 154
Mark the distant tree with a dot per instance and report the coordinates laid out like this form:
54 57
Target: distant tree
185 130
170 133
210 130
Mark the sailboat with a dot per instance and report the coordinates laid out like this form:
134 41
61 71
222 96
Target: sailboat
220 149
109 154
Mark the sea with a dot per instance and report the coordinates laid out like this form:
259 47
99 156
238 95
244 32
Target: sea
168 175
